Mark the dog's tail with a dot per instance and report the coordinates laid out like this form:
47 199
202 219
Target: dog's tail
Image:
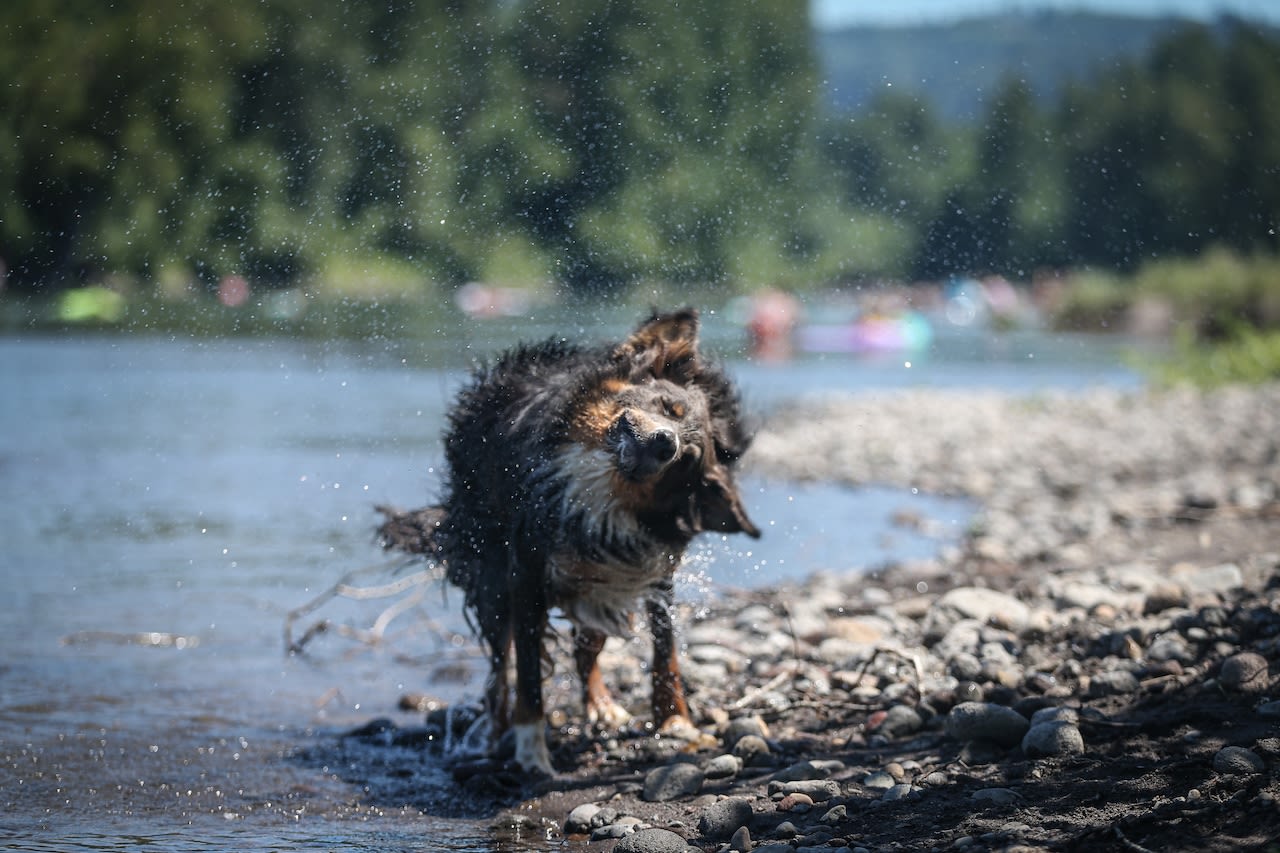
416 531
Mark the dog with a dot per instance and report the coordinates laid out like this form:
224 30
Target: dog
576 478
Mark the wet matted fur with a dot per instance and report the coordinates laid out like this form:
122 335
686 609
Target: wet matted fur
577 476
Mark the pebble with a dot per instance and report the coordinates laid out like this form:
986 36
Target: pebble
1245 672
1271 709
1164 596
1055 737
879 781
1113 682
579 821
1213 579
835 814
808 770
900 721
752 750
897 792
1085 594
820 790
623 827
652 840
741 840
740 727
986 605
972 721
999 796
722 818
671 782
1238 761
963 665
796 802
1171 648
722 767
858 630
1056 713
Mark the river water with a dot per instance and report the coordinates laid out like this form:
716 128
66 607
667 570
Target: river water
168 502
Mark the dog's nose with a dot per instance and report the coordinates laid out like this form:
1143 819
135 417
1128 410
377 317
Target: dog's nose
663 444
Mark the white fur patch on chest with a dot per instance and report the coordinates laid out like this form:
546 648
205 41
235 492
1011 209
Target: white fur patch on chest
603 594
588 475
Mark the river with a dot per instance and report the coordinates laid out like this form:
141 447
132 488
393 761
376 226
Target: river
169 500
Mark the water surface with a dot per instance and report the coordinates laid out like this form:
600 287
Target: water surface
170 500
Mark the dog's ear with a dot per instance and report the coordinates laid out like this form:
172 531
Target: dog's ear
719 506
665 346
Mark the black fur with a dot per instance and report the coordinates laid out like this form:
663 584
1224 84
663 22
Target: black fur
577 476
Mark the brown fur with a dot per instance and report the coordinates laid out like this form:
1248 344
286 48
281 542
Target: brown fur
577 477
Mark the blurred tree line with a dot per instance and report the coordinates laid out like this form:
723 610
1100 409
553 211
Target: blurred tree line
374 148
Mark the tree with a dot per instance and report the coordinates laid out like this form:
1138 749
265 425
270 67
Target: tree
1003 216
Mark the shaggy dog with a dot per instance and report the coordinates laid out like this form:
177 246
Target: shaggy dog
577 476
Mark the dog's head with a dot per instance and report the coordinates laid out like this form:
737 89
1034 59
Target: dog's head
655 426
670 429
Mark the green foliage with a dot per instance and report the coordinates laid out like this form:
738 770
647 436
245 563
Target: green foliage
390 150
1176 153
1209 298
1216 295
597 143
1247 356
1225 307
1094 301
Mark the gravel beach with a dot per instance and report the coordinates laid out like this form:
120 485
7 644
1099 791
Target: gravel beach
1095 667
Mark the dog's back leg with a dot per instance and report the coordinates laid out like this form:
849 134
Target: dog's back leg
587 643
529 627
670 711
495 629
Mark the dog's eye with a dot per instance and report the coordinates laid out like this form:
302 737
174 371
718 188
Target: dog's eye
673 409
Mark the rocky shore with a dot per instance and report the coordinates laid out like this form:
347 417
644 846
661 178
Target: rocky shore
1096 667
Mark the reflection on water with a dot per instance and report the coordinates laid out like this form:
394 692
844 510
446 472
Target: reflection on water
171 500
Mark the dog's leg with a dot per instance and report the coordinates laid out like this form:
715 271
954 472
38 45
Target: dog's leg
529 723
670 711
587 643
497 692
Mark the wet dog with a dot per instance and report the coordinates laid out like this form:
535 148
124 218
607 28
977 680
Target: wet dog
577 476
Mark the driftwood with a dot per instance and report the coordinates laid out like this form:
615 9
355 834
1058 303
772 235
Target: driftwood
412 532
346 587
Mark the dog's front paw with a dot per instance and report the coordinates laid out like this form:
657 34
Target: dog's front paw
531 749
608 713
681 728
677 725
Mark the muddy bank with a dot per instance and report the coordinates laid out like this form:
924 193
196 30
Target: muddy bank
1094 668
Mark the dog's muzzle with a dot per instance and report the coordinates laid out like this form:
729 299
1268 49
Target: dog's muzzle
642 450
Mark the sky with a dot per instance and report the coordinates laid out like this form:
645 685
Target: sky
835 13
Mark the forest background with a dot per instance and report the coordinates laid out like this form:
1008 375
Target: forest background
394 149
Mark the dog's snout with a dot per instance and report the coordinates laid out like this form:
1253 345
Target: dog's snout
644 444
663 444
